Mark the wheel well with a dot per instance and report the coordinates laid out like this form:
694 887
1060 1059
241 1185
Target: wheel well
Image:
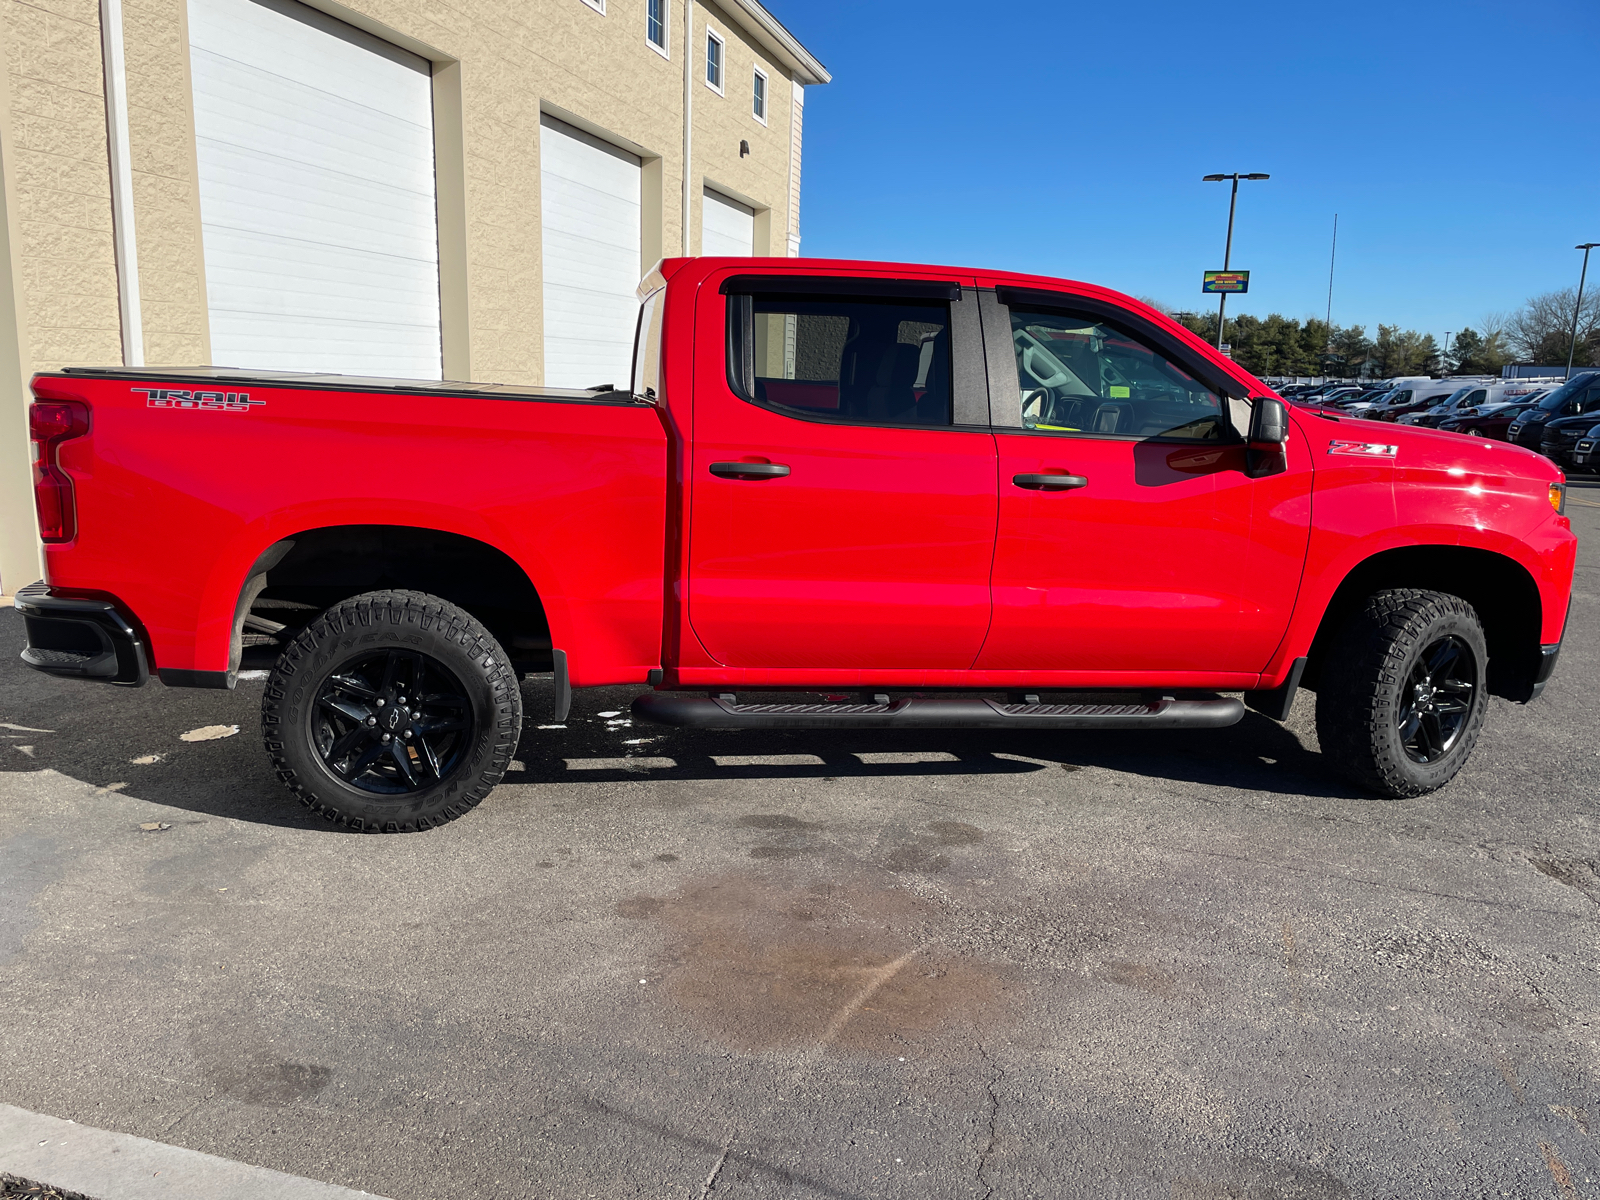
1500 589
301 576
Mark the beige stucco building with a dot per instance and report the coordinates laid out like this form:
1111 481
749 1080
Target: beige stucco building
446 188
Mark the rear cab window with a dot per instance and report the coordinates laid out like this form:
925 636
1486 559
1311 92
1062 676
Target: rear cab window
862 360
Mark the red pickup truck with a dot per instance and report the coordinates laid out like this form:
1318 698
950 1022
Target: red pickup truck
833 494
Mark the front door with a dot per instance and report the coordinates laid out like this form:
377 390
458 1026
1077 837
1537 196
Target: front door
1136 533
841 518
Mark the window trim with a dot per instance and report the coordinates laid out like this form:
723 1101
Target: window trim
1005 386
664 47
968 394
766 94
722 60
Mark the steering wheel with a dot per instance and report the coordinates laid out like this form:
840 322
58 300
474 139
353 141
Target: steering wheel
1033 404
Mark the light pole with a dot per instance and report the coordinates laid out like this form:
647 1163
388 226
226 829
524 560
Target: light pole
1227 252
1572 346
1446 360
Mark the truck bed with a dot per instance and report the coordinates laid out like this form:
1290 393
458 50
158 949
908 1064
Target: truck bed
187 478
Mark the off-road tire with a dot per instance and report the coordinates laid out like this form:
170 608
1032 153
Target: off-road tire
1361 693
374 622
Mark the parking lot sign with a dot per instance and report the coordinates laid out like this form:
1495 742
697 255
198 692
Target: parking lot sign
1226 282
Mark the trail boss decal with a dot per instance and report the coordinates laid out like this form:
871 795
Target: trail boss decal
214 401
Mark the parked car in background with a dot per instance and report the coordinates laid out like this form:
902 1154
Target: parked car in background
1560 437
1586 454
1411 396
1491 424
1475 394
1358 404
1471 394
1578 396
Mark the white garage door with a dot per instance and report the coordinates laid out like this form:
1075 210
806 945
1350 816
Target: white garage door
590 215
315 145
726 226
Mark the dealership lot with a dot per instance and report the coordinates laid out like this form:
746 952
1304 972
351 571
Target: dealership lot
662 963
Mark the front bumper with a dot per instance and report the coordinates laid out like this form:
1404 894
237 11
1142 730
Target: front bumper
1547 658
1559 452
83 639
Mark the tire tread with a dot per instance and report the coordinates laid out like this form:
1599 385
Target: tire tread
1355 703
397 607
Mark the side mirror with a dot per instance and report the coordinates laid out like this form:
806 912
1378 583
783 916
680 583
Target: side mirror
1269 422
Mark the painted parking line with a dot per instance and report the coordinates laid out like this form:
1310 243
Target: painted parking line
119 1166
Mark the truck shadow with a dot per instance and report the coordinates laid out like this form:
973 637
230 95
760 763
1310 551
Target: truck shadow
133 741
600 743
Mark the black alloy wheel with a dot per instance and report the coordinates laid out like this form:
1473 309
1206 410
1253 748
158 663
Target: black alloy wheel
392 712
1437 700
392 722
1401 693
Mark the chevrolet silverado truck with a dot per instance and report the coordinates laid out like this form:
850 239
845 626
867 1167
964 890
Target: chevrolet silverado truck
832 495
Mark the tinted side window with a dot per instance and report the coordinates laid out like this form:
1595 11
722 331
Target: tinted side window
1081 376
863 361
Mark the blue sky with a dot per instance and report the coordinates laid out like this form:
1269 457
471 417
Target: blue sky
1458 142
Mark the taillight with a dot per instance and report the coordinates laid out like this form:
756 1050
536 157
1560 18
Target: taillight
51 422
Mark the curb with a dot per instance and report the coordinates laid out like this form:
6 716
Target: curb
103 1165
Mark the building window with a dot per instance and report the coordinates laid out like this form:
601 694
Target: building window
655 24
598 5
714 62
758 102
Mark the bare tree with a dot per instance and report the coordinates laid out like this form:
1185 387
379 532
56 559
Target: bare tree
1541 330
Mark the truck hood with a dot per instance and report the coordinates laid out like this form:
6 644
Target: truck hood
1417 449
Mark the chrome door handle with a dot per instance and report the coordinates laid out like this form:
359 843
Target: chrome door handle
749 470
1050 483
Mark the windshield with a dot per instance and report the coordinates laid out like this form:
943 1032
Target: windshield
1455 396
1559 397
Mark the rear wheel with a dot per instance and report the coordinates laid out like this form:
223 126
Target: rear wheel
1402 698
392 711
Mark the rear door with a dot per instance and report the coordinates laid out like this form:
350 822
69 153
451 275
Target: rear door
843 475
1138 534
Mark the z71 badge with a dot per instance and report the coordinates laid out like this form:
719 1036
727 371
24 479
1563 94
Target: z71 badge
214 401
1366 449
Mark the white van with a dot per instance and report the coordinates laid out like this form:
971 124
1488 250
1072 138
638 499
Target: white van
1408 392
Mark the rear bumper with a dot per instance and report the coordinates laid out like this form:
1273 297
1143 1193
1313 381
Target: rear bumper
82 639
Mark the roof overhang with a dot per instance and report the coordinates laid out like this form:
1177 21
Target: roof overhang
777 40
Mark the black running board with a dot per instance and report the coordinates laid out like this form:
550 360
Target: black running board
691 711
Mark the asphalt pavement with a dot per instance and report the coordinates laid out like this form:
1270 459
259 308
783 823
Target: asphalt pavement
680 964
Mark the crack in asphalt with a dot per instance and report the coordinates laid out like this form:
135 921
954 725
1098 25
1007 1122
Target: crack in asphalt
994 1116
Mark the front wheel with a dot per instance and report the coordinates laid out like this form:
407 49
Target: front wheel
391 712
1402 697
